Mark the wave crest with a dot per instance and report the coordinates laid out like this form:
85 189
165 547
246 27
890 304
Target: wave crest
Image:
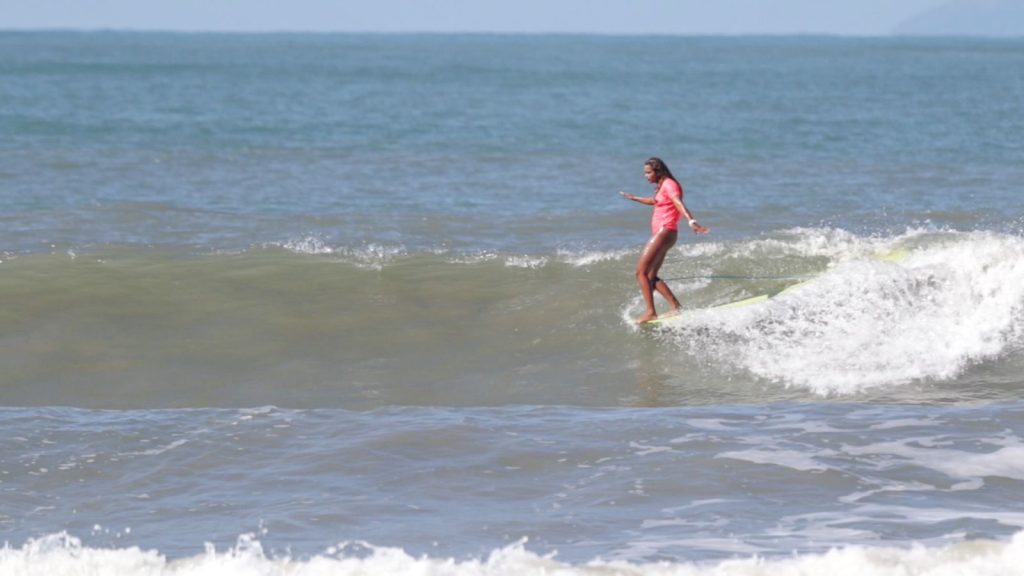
954 300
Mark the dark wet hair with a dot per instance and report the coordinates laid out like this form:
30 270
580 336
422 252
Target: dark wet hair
659 167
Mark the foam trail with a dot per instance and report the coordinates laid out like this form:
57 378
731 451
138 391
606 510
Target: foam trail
953 301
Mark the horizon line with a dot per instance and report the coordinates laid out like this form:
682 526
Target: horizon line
372 32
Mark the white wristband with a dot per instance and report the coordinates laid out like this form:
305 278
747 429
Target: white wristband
692 222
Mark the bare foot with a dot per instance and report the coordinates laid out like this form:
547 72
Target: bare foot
646 318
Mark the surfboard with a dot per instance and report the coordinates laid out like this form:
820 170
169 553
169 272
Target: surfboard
670 318
892 255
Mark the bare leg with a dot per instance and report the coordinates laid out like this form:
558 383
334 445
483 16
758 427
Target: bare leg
659 285
667 294
647 272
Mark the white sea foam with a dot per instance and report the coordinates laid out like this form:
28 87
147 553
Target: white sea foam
372 256
693 250
61 554
158 450
833 243
474 258
308 245
580 259
1006 462
525 261
785 458
952 302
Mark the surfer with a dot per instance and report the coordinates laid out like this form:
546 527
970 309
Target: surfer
668 208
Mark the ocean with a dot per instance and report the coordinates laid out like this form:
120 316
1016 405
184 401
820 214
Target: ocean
362 304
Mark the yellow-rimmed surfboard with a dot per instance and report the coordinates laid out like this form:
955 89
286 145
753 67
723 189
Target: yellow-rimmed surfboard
892 255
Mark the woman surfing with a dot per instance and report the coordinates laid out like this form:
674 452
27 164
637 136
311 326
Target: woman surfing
668 209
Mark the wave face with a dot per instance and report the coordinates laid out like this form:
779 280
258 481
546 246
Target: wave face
306 324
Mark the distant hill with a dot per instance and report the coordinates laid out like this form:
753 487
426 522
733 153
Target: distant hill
968 18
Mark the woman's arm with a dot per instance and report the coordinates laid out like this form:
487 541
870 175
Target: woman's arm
691 221
649 200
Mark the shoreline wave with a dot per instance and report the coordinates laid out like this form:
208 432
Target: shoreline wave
62 553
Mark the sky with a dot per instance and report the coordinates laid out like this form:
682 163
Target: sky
844 17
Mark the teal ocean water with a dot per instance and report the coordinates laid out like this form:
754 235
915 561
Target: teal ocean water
361 304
